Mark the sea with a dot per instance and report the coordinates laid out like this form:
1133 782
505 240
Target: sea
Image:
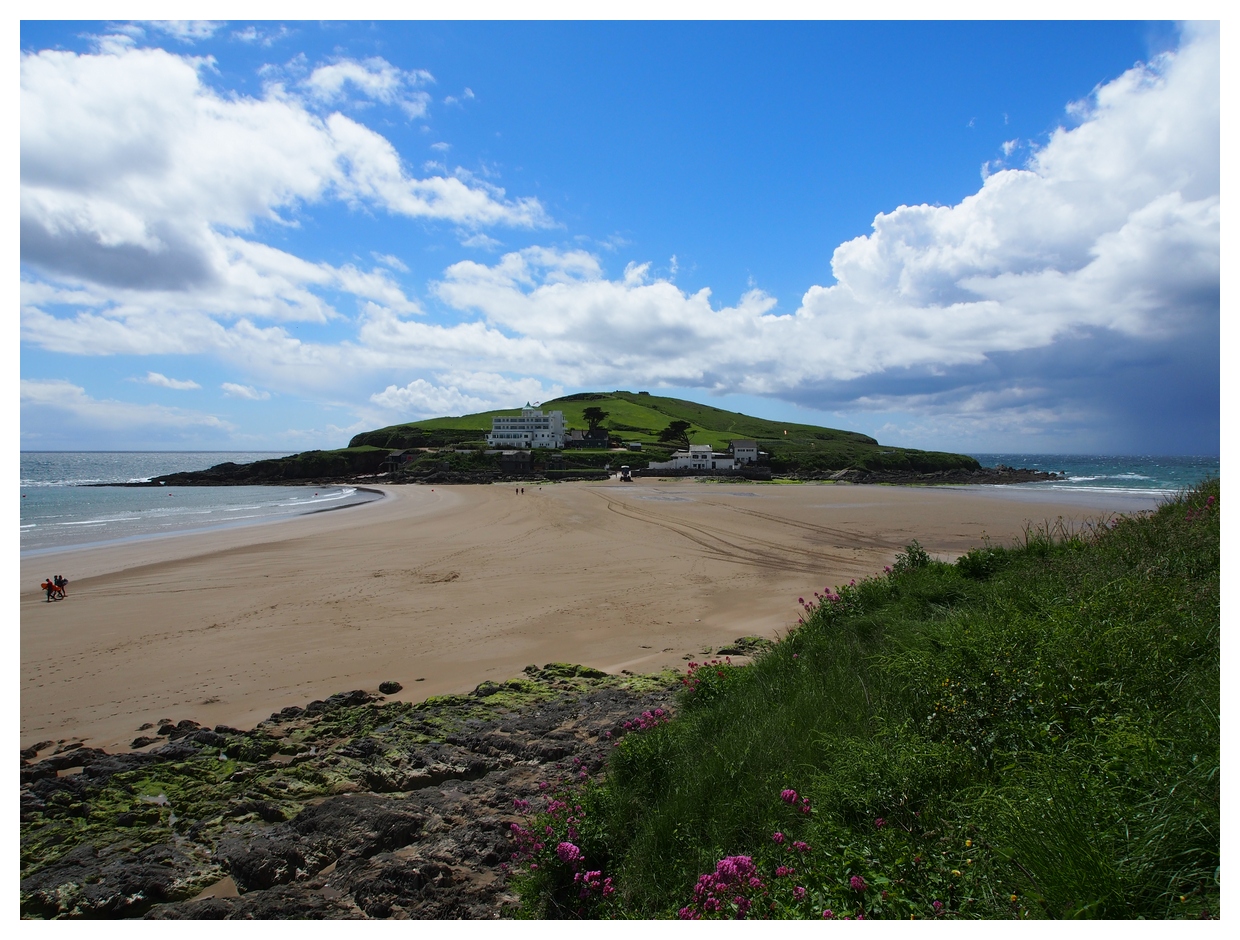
67 502
71 500
1122 476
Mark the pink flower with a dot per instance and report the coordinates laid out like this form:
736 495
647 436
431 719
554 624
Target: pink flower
879 823
799 893
783 871
788 796
569 854
857 883
800 846
938 906
827 914
778 838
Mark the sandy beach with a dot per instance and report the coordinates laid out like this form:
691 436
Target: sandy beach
442 588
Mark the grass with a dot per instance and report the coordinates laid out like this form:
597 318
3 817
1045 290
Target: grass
1030 732
641 417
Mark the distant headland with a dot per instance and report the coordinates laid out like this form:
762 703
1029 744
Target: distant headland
591 435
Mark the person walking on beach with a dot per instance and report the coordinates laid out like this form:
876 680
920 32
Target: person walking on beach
62 583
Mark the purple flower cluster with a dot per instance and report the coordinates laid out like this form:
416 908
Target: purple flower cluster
730 889
692 680
1199 513
647 720
569 854
593 882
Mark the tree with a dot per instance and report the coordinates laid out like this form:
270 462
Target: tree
595 416
676 433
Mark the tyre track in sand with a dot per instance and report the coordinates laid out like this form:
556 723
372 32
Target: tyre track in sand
730 546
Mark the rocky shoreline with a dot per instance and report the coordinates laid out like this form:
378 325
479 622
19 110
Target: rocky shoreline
354 807
993 476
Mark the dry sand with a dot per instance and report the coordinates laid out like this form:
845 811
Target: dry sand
443 588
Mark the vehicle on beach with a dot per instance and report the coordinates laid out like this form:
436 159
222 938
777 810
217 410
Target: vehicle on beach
626 475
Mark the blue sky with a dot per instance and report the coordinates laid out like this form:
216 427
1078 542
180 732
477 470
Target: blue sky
967 236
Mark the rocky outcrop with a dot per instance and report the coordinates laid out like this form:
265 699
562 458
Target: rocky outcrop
985 475
351 807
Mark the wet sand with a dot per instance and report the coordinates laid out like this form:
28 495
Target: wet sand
443 588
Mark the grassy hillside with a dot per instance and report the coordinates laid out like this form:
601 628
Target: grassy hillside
1030 732
640 417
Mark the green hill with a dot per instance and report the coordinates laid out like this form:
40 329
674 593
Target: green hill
640 417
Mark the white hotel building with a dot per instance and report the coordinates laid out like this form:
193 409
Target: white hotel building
531 429
697 457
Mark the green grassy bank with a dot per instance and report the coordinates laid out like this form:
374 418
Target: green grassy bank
1030 732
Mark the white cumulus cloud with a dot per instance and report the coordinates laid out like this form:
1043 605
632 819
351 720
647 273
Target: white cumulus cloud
156 378
233 390
66 401
374 78
140 180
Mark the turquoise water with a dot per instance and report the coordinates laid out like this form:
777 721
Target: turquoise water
63 506
1137 475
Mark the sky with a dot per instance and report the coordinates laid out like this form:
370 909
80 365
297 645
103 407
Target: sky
968 236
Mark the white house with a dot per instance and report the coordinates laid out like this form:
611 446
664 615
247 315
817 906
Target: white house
531 429
697 457
745 451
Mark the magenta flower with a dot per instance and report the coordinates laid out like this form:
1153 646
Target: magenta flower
857 883
800 846
788 796
799 893
828 914
938 906
569 854
879 823
778 838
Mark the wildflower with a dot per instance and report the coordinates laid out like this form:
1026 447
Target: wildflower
968 843
778 838
800 846
788 796
955 872
879 823
569 854
1012 899
796 655
857 883
783 871
800 600
827 914
938 906
799 893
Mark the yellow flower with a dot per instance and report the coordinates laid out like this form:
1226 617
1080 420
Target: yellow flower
968 843
1013 899
955 872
